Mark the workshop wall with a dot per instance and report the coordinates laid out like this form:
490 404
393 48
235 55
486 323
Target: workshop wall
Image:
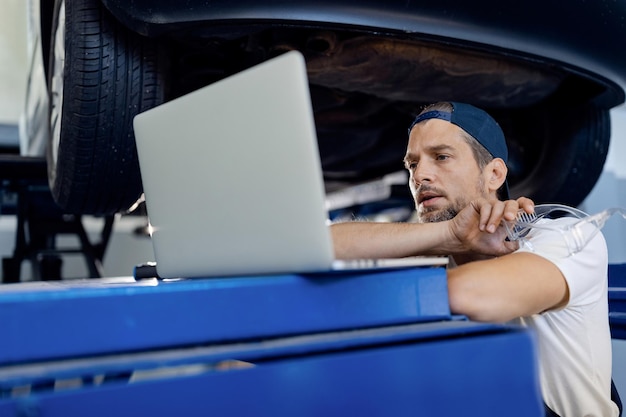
13 59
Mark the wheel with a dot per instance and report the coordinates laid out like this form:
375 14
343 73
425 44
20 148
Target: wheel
563 153
100 76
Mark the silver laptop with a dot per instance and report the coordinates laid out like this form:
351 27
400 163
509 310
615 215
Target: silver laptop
232 177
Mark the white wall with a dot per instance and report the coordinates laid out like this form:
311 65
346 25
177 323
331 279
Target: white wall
13 59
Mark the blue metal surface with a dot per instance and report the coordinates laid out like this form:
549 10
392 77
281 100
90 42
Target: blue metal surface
44 321
617 300
431 369
38 373
617 275
370 343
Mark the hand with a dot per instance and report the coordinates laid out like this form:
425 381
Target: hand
478 227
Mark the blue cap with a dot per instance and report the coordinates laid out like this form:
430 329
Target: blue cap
479 124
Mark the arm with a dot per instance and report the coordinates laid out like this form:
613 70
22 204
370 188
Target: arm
474 229
363 240
500 289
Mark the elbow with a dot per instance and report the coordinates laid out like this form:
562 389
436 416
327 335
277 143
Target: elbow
470 302
477 313
483 316
461 304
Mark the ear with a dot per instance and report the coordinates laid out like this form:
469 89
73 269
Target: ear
495 174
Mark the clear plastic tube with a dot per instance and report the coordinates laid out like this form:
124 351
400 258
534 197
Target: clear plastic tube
575 235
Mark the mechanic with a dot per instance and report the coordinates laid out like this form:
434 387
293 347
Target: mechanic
456 158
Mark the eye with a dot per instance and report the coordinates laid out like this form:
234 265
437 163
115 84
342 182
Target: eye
410 165
442 157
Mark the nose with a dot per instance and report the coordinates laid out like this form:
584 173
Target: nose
421 174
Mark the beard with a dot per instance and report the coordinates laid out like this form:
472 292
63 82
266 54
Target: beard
441 214
437 215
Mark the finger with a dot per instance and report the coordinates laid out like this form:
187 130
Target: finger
495 217
527 204
511 209
484 207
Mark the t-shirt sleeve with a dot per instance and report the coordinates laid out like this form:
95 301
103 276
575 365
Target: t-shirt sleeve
583 270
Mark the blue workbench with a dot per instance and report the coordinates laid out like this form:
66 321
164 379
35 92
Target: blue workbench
368 343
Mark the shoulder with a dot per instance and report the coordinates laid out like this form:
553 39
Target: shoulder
580 254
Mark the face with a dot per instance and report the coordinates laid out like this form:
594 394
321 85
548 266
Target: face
444 175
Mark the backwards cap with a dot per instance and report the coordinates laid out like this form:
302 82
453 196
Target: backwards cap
479 124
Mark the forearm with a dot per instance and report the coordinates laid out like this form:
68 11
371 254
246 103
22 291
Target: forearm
473 231
360 240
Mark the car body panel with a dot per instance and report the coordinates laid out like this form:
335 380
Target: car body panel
549 29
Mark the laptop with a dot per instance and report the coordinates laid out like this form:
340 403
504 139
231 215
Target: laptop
232 177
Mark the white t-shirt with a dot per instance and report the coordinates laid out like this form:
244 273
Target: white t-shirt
575 341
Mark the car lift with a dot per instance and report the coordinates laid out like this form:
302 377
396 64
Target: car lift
377 342
24 192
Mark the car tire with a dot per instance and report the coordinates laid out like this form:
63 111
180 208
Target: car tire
100 76
568 146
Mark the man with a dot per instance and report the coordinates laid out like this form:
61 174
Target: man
456 158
